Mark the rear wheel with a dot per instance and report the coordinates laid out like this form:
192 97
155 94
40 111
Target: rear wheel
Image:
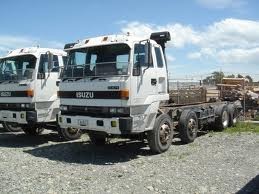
160 138
32 130
232 115
12 127
188 126
97 139
222 120
70 133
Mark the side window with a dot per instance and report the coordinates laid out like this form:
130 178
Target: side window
159 57
55 64
64 58
139 55
43 66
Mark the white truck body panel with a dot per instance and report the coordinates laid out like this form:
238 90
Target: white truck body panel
144 98
45 90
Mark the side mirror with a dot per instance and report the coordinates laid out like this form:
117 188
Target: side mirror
148 53
50 60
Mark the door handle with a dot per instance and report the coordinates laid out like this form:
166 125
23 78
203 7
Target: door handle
57 83
153 82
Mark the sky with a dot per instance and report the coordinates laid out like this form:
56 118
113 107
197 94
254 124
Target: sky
207 35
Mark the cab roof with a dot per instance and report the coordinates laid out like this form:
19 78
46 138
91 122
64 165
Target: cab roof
34 51
104 40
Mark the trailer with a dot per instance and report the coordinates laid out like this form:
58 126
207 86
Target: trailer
117 85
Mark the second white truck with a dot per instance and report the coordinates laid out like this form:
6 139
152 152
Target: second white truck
28 89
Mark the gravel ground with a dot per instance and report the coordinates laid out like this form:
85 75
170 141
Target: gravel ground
214 163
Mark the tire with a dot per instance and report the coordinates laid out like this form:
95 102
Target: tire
188 126
12 127
160 138
32 131
97 139
222 118
70 133
232 115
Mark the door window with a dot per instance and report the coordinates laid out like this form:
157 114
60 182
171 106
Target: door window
159 57
139 56
43 66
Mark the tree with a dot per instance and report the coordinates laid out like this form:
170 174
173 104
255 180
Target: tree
231 76
218 76
215 78
249 78
240 76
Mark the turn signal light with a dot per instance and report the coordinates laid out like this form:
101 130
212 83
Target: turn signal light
30 93
124 94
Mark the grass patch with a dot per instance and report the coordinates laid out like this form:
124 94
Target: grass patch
243 127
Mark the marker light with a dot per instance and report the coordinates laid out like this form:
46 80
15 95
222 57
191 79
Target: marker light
124 94
30 93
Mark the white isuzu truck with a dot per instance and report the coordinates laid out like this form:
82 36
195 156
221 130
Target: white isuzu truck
117 85
28 89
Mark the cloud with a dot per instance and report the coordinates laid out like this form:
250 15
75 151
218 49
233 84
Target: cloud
221 4
223 43
8 43
239 56
170 58
231 33
180 34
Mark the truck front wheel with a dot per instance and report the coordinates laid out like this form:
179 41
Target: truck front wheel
70 133
160 138
188 126
222 119
12 127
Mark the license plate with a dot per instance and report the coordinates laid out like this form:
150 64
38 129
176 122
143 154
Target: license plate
5 114
82 122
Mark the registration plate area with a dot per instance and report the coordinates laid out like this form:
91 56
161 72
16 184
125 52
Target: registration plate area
82 122
5 114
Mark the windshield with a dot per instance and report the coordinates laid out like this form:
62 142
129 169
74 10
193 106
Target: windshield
97 61
17 68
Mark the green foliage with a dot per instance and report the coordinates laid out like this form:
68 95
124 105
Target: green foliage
243 127
215 78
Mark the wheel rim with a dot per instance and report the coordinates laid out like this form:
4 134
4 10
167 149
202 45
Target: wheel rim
225 119
13 126
192 127
164 133
234 120
71 131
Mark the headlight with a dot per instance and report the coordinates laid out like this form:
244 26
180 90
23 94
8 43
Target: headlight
30 105
63 107
22 105
113 110
120 110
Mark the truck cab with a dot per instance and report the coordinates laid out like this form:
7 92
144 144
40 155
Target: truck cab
113 85
28 90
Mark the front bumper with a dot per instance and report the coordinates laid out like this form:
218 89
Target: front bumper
20 117
114 125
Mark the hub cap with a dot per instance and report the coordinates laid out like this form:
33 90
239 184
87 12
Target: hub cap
192 126
225 119
164 134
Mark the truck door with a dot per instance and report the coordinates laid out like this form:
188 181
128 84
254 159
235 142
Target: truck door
143 83
161 71
46 88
